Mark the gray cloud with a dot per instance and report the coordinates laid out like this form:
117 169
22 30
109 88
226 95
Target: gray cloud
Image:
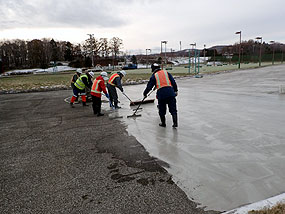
52 13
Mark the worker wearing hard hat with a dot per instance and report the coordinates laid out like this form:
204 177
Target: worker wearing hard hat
85 80
115 81
98 87
166 93
75 77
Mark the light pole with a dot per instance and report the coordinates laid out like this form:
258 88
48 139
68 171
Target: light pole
282 53
146 56
259 49
273 50
239 32
204 53
171 57
163 42
193 45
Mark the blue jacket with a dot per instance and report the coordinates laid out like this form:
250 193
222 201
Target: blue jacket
164 92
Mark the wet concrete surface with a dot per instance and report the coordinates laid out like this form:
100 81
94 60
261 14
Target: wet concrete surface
55 159
229 148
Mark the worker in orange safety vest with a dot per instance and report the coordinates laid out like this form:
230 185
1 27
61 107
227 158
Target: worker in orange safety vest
115 81
166 93
96 91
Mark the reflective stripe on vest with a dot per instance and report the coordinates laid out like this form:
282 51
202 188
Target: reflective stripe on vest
79 83
95 86
111 80
162 79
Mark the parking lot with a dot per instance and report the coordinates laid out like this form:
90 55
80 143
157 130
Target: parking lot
229 148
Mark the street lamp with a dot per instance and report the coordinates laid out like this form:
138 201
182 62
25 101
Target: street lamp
171 57
273 50
282 53
239 32
146 56
193 45
259 49
163 42
204 53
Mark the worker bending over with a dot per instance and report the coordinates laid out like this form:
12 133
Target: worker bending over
97 87
166 93
115 81
75 77
85 80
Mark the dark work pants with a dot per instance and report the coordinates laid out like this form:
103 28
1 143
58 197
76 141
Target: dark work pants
170 102
113 94
96 104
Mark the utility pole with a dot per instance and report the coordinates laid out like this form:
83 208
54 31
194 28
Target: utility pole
92 51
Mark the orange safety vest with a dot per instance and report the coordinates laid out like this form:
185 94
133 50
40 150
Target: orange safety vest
112 79
95 86
162 79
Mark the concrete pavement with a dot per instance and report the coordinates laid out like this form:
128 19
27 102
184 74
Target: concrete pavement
229 148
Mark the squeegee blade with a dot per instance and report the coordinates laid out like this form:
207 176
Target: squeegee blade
134 115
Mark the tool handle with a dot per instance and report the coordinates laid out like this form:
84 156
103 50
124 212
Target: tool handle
113 107
142 101
127 97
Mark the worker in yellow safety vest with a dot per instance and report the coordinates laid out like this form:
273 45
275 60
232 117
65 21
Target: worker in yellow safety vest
167 91
85 80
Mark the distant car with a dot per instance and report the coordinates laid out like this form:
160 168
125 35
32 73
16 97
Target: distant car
214 63
130 66
97 68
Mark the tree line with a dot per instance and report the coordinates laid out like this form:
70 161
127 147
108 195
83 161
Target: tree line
43 53
251 49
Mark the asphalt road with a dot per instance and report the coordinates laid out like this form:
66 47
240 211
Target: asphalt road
55 159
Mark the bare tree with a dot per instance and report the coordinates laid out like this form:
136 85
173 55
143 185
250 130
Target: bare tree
115 46
105 49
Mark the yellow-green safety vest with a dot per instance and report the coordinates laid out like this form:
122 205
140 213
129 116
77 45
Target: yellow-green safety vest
79 83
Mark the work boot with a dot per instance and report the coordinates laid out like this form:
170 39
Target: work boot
116 105
100 114
174 118
162 124
71 105
84 104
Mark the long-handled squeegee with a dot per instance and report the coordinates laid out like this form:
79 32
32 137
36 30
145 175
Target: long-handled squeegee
128 98
138 115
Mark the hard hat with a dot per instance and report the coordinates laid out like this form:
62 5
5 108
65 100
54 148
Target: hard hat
79 70
154 67
104 75
91 74
123 72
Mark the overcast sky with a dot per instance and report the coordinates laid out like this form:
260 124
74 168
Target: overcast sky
144 24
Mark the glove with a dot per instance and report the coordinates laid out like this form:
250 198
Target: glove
176 93
107 95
